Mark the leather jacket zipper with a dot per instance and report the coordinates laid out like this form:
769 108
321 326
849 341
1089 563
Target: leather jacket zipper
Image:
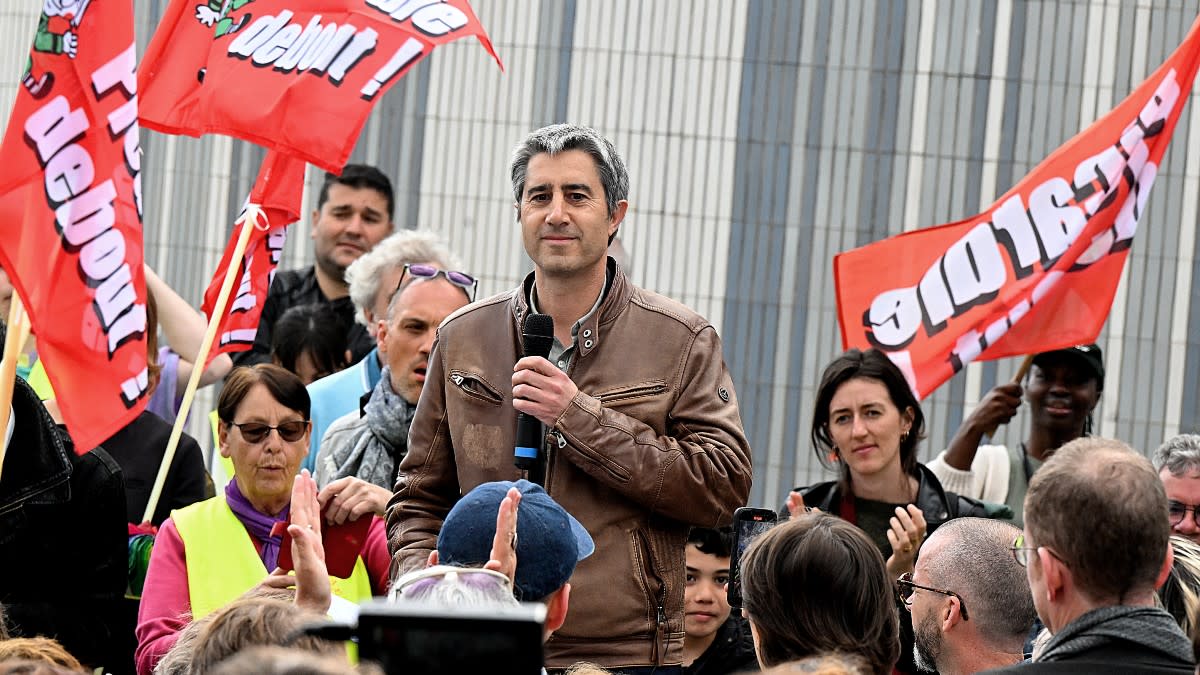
632 392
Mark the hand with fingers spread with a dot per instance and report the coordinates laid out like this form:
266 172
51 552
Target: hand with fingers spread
503 557
350 498
541 390
906 533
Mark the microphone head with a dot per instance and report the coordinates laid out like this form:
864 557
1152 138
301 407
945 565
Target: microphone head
537 337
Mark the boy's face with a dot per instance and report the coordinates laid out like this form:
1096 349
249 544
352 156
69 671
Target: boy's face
705 605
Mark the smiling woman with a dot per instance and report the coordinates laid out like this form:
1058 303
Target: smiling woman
866 425
208 554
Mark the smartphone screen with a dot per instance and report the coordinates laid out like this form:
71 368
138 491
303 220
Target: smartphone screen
748 525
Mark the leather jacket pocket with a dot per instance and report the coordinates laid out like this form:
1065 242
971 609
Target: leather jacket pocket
475 387
630 393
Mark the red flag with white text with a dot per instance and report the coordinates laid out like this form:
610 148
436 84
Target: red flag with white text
278 190
1038 269
70 213
298 76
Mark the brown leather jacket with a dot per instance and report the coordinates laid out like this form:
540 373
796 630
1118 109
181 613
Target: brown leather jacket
652 444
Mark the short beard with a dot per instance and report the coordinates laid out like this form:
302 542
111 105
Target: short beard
927 644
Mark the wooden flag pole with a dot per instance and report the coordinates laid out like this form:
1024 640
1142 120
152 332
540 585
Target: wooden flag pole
249 221
1023 370
18 333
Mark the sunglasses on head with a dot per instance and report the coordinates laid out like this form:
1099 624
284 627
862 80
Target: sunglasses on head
461 279
255 432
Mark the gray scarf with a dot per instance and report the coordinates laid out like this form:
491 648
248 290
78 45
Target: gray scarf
1147 627
378 449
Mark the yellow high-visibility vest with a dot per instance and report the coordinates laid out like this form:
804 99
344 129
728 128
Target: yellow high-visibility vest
223 563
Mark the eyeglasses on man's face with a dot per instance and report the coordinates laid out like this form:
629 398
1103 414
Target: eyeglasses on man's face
907 588
461 279
1178 510
1021 551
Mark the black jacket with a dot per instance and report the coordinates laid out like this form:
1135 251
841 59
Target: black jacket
936 503
63 538
292 288
138 448
732 651
1111 658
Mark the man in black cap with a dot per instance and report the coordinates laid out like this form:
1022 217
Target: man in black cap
1063 388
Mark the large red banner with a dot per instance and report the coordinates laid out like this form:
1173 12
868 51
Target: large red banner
1039 268
70 213
298 76
278 191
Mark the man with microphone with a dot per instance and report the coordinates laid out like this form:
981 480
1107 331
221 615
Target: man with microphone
642 436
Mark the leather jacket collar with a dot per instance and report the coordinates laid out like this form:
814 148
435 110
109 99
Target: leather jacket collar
931 497
614 303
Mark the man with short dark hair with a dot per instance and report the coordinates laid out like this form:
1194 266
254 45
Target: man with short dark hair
718 641
354 212
1178 465
970 602
1095 549
642 432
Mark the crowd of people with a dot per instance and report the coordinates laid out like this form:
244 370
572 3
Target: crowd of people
368 445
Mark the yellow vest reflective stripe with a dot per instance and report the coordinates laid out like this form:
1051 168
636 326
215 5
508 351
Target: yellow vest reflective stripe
222 562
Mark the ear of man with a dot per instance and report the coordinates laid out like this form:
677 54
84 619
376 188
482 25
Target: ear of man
1057 576
556 608
951 614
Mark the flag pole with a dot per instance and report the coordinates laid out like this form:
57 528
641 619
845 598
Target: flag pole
1023 370
249 221
18 333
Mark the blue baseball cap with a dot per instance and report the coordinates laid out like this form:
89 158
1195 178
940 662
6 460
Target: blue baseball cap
550 542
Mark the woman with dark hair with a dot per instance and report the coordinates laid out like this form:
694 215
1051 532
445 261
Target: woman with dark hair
211 552
867 424
310 341
817 585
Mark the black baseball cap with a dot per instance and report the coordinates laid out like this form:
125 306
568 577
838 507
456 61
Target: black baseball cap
1089 357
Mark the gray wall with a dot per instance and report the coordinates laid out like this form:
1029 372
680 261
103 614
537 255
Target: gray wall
763 137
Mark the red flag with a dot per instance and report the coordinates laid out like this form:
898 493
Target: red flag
278 191
298 76
70 213
1039 268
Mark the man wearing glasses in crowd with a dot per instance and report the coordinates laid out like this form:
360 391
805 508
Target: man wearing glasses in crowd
643 435
369 445
1095 548
967 563
1178 465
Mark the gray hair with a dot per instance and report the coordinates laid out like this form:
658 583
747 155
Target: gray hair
976 562
1180 455
397 250
456 587
558 138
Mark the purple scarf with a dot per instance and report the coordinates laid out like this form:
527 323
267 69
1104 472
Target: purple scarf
257 524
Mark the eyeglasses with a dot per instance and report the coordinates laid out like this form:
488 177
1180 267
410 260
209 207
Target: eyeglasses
256 432
1178 510
907 588
1021 552
461 279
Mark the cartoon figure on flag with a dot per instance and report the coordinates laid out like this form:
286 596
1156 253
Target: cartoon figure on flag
57 33
215 14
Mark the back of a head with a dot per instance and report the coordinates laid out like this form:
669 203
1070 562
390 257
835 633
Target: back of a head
38 649
287 661
313 329
823 664
973 557
28 667
452 586
1100 480
1180 593
249 622
817 585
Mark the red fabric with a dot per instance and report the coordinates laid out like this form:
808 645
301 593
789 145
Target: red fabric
278 191
1039 268
166 606
70 219
262 82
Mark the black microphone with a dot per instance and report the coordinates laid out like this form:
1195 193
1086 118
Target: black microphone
536 340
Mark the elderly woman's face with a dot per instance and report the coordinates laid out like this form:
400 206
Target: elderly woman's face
264 468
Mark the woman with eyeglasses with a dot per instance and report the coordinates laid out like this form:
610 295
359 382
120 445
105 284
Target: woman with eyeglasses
212 552
866 425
